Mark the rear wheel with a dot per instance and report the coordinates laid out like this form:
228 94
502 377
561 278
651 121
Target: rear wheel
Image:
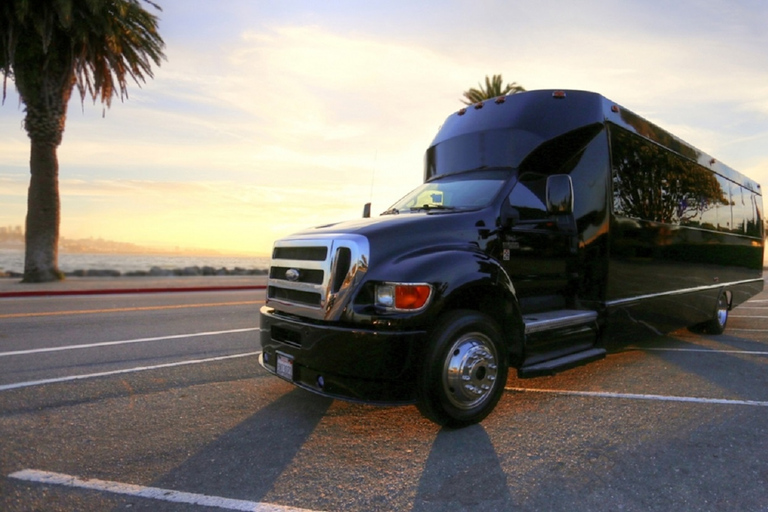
464 369
716 324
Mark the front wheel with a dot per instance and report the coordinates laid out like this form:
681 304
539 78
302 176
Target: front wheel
464 369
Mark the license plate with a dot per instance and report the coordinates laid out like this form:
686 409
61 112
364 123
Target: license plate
285 366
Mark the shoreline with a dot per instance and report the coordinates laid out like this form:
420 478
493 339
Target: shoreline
14 288
192 271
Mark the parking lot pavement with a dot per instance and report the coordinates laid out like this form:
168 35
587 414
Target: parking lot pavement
676 422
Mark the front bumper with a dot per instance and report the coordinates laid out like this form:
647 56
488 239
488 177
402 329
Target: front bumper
342 362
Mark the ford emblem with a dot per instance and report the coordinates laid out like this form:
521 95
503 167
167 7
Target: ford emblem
292 274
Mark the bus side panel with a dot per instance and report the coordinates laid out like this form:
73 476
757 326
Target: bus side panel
745 291
680 234
664 277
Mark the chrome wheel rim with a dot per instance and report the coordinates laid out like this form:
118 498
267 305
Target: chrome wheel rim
470 371
722 311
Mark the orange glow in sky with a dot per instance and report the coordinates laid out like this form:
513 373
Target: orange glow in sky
271 117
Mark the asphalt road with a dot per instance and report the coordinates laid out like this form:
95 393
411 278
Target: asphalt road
155 402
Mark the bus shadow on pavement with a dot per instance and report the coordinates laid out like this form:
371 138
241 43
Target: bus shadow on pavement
461 469
724 361
463 472
245 462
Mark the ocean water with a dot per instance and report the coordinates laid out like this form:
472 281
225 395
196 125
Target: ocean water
13 261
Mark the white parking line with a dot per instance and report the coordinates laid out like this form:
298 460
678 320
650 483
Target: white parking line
123 342
6 387
153 493
704 350
633 396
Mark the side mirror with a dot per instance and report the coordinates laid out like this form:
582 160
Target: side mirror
559 194
366 210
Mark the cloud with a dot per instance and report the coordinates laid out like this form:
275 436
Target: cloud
281 124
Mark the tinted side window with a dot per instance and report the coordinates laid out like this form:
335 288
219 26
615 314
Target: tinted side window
583 155
745 214
653 183
528 196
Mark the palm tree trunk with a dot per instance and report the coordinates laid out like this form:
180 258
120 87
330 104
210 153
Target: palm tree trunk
45 95
43 216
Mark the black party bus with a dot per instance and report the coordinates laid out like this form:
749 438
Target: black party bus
549 223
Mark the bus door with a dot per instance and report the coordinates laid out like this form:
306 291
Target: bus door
540 242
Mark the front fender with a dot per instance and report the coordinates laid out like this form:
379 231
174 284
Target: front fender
461 277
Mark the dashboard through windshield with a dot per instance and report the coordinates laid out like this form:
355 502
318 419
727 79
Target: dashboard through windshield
465 191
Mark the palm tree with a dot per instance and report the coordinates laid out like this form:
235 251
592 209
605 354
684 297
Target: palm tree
493 89
48 47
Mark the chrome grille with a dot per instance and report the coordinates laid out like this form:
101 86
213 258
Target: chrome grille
313 276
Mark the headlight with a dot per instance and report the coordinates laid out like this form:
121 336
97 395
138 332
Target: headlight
403 296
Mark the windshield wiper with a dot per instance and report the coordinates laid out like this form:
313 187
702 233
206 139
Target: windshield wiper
428 207
391 211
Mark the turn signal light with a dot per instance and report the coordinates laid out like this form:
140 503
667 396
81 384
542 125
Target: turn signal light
412 296
403 296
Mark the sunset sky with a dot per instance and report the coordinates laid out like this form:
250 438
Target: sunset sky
268 117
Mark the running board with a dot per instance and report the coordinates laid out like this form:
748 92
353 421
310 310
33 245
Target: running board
571 334
551 320
552 366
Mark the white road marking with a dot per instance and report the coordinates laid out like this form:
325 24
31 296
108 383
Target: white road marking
17 385
705 350
153 493
123 342
633 396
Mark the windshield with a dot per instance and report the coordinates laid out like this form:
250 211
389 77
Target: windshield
469 190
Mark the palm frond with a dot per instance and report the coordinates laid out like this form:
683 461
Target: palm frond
493 88
100 44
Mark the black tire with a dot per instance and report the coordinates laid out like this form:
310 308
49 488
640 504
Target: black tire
464 370
716 324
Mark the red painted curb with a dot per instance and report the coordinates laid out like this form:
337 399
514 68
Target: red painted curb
116 291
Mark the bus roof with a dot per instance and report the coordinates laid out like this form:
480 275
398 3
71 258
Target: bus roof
521 122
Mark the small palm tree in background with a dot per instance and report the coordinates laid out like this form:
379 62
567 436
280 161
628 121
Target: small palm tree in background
47 48
493 89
